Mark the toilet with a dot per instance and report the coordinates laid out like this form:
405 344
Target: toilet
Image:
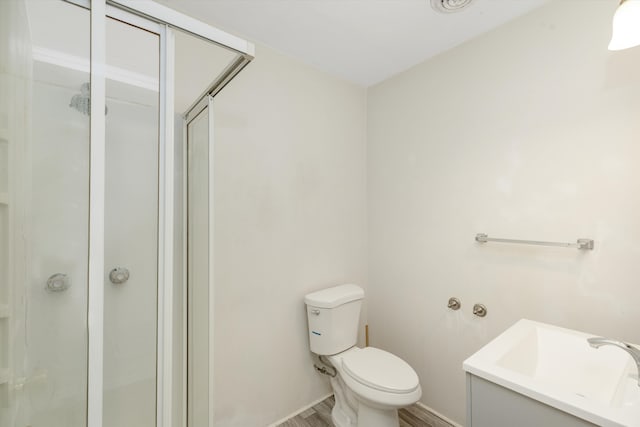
370 384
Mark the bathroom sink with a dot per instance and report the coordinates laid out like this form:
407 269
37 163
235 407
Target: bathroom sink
556 366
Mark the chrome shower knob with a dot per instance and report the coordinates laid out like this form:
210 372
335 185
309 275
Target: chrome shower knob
119 275
58 282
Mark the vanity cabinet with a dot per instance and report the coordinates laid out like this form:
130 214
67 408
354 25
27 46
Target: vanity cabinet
491 405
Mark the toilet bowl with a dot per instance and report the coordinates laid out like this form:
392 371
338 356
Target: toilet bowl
370 384
373 384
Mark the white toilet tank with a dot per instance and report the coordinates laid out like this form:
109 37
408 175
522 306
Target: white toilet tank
333 316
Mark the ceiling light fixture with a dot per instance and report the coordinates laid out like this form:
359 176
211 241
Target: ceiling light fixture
626 25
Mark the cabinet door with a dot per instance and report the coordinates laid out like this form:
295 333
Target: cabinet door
490 405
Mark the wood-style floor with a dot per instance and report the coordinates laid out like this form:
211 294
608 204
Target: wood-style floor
320 416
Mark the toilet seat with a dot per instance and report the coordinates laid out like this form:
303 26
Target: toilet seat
380 370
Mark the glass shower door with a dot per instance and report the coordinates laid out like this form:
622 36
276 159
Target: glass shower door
44 209
92 319
44 218
131 226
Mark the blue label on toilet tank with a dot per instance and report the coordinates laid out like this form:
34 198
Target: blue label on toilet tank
316 333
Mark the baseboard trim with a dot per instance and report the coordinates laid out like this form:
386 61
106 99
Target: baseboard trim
299 411
438 414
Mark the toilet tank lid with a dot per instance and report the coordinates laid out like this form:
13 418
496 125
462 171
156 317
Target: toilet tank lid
335 296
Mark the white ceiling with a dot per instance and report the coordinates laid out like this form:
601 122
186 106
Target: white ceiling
364 41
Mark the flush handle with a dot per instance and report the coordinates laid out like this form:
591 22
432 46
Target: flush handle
316 312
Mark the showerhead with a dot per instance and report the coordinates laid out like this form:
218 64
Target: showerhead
82 101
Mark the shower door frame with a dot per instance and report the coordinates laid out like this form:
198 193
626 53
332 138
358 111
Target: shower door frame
160 20
203 106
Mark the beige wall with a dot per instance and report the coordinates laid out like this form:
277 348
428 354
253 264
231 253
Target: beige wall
290 219
530 131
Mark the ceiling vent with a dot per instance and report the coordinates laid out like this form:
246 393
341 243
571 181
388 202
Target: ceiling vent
449 6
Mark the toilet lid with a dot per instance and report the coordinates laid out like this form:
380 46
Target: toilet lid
380 370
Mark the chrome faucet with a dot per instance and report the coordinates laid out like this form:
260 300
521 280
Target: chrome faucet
597 342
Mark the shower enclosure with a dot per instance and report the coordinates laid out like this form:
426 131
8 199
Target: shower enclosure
106 212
